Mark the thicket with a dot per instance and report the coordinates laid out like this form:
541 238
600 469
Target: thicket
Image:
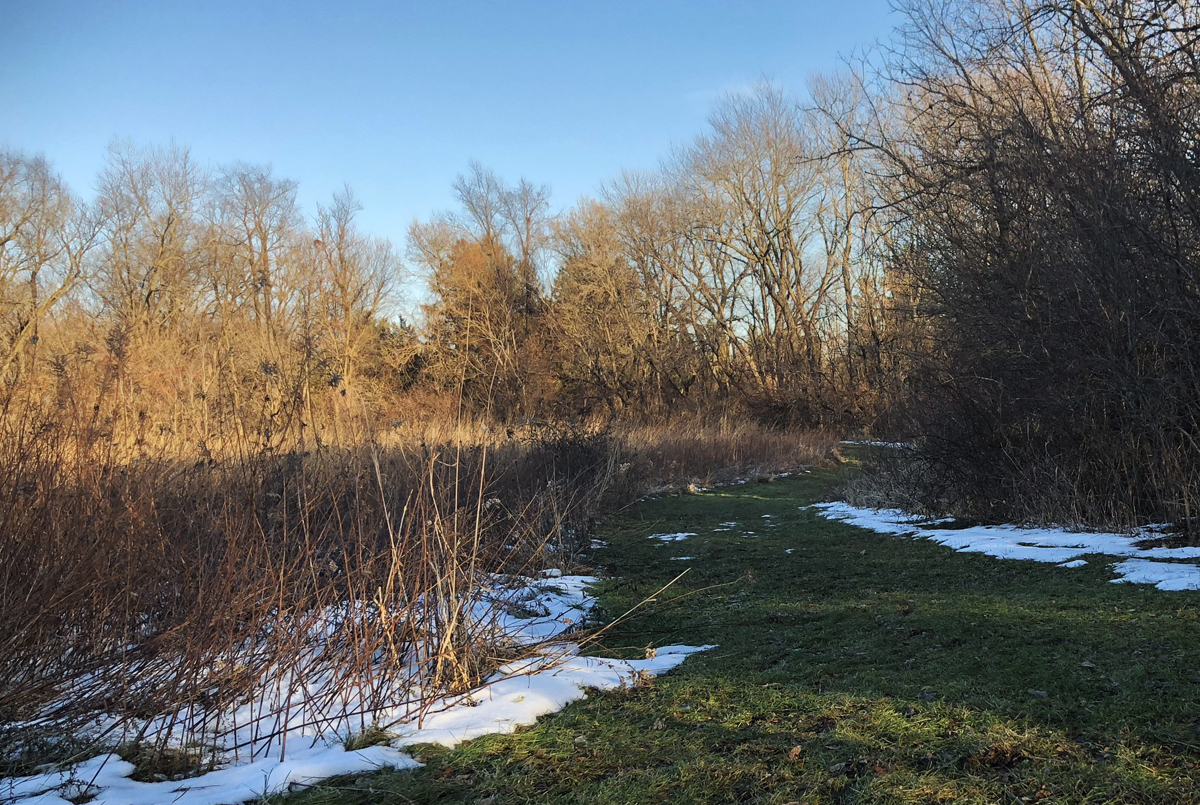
1043 164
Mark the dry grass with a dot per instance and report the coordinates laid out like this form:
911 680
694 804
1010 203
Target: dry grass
170 594
693 451
165 593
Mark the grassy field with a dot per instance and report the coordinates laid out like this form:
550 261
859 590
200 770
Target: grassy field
858 668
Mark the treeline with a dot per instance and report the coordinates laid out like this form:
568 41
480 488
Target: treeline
198 307
190 307
746 274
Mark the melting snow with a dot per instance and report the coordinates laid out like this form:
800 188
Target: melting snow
1055 545
517 694
897 445
673 537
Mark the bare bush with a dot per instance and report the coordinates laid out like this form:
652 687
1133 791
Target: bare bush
1044 181
175 597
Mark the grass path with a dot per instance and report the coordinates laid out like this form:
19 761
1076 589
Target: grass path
858 668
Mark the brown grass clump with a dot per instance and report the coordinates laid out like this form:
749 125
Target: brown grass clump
695 451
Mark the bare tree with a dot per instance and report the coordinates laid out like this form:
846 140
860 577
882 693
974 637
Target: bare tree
356 274
45 239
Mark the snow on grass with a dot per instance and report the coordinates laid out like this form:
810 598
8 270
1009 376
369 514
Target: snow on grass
522 691
896 445
1163 575
673 537
552 676
106 779
1165 568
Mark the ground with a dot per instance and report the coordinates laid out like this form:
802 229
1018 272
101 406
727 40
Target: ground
858 668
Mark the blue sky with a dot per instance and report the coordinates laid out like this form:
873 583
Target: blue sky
395 98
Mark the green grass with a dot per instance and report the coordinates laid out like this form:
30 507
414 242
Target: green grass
860 668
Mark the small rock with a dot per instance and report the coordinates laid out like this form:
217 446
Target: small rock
1041 694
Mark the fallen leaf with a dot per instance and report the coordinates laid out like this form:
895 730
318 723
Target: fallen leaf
795 753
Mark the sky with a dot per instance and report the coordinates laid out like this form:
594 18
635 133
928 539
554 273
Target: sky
396 98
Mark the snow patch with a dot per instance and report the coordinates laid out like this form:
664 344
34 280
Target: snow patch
1054 545
515 695
673 537
1163 575
896 445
